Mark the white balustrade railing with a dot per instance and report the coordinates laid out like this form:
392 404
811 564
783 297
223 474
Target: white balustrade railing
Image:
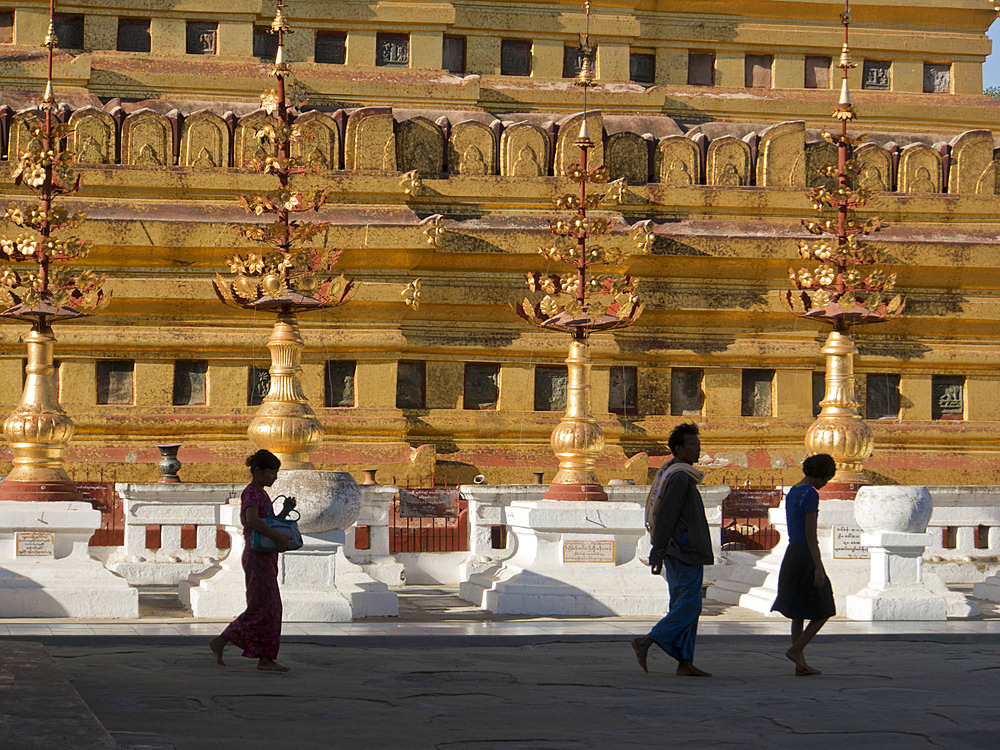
170 507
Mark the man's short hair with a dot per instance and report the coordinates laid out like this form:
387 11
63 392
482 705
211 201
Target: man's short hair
821 465
679 435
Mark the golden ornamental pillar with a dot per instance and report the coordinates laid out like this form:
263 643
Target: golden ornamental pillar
285 424
845 288
38 430
577 440
840 429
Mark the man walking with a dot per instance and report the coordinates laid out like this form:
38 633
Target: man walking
682 546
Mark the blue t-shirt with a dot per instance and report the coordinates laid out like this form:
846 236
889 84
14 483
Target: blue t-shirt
801 499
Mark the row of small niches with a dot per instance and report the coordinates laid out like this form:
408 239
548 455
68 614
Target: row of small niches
878 394
393 50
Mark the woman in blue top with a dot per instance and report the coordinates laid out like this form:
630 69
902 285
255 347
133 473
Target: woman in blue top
804 591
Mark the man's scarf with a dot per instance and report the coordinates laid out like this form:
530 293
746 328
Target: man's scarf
655 497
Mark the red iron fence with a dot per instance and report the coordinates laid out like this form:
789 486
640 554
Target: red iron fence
428 519
745 522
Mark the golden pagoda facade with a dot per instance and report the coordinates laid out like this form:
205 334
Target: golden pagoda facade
440 145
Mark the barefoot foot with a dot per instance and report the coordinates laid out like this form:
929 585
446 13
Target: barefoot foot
801 668
688 669
217 645
269 665
641 649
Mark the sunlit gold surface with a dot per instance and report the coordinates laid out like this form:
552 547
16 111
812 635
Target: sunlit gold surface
285 424
577 441
38 430
839 430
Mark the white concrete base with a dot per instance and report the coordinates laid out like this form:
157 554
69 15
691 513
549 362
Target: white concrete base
752 580
541 579
307 578
988 589
318 584
66 581
899 589
368 596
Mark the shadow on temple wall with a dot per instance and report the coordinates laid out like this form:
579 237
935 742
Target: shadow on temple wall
902 350
456 242
935 306
880 479
669 246
701 344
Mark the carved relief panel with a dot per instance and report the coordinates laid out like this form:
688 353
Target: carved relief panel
781 156
971 156
204 141
524 151
728 162
567 152
920 169
20 138
319 141
471 149
93 136
370 141
677 162
627 157
147 139
246 145
818 154
874 167
420 146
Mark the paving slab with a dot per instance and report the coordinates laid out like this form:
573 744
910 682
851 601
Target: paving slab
39 708
540 692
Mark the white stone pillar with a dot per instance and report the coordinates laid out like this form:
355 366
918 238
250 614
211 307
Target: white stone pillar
318 583
894 520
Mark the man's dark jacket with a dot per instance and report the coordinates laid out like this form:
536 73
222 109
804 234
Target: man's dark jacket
680 526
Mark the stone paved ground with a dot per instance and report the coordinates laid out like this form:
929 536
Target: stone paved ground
540 692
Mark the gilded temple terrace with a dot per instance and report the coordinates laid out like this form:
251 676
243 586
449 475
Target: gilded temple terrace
324 229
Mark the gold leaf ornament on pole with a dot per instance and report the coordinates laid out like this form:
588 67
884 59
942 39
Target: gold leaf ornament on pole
289 274
40 282
843 282
578 301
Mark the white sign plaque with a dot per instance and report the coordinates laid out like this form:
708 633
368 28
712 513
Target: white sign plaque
585 551
35 544
847 544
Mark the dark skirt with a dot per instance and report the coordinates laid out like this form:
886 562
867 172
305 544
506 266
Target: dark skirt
798 598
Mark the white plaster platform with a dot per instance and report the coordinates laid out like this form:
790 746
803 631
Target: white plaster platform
541 576
318 584
752 579
62 580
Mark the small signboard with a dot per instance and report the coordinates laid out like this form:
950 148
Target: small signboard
589 551
35 544
847 544
428 503
746 502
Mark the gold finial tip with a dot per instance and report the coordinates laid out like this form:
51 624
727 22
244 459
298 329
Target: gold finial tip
279 23
51 40
845 95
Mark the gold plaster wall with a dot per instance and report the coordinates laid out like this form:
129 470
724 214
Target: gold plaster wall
713 257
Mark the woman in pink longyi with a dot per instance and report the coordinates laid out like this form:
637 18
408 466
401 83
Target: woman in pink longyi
258 630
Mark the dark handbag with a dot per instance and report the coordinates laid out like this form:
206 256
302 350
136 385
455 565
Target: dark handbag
287 527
